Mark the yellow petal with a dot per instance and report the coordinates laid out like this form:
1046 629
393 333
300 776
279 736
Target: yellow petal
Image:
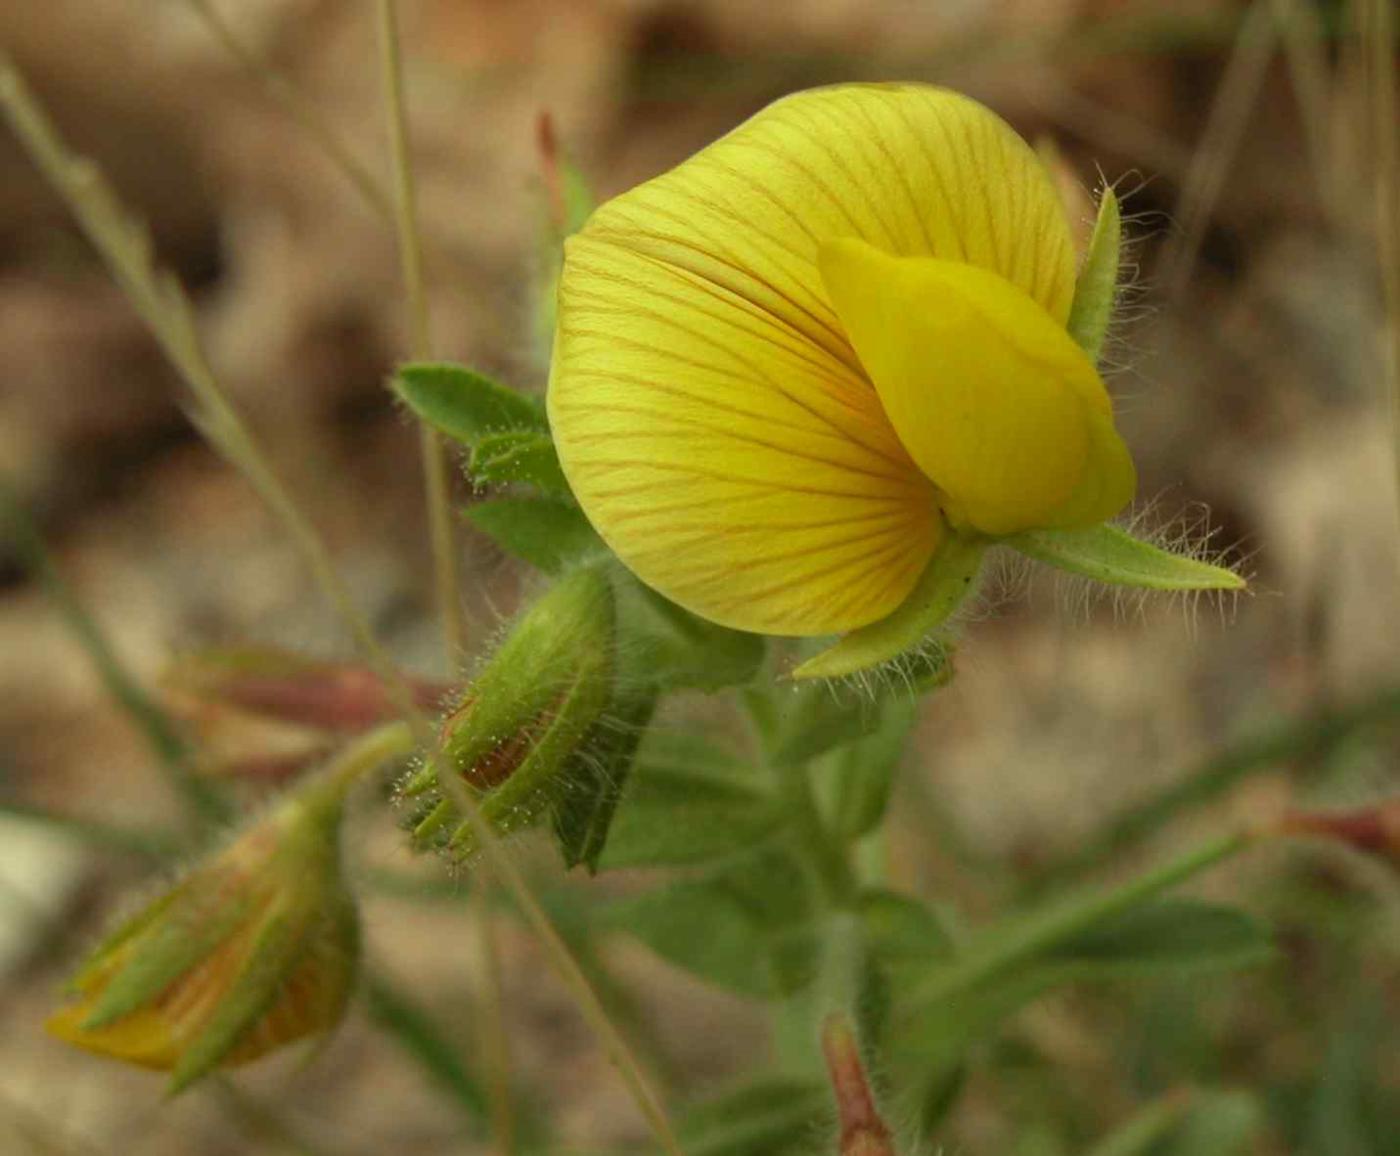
710 412
914 170
731 464
989 394
142 1038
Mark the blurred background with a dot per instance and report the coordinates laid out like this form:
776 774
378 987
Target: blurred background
1249 145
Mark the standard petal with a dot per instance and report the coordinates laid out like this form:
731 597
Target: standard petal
912 169
740 469
988 393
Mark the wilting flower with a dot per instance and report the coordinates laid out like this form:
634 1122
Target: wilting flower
262 713
252 949
786 371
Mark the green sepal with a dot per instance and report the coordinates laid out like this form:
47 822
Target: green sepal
550 534
1108 554
563 638
464 405
272 957
128 929
1096 290
529 792
188 930
592 784
949 578
515 457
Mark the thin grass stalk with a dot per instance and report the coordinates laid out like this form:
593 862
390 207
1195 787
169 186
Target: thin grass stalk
495 1043
493 1039
435 469
1301 29
1383 118
1229 114
171 752
283 93
162 304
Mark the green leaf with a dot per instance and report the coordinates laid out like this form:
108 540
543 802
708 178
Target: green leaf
859 776
902 930
1168 936
550 534
688 806
705 929
465 405
771 1117
1096 291
592 785
1107 554
677 650
812 718
518 457
740 928
949 578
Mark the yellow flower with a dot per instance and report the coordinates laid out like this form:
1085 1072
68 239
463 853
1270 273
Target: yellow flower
785 370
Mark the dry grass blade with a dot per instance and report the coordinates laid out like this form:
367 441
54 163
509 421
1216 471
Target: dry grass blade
435 473
1301 29
1234 101
162 304
164 739
1381 32
289 98
494 1040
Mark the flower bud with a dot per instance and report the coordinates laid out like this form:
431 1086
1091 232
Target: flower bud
530 709
262 713
863 1131
1374 830
255 947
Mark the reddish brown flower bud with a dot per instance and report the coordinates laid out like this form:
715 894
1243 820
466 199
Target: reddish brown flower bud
863 1132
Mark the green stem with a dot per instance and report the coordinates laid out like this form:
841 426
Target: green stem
825 853
368 752
1000 949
